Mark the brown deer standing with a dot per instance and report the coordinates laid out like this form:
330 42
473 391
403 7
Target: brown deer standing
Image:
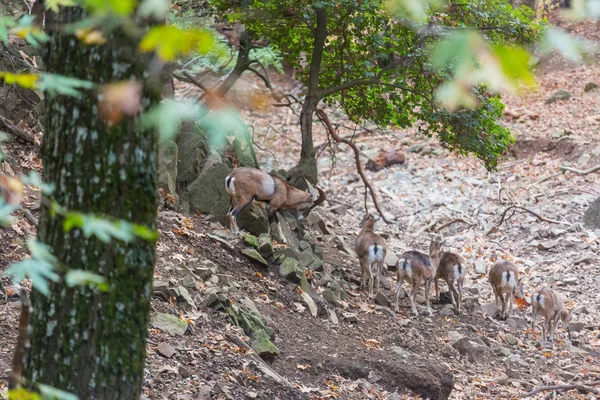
418 269
451 268
505 281
551 305
371 250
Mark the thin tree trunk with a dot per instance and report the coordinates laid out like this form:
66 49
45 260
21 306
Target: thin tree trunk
90 343
307 166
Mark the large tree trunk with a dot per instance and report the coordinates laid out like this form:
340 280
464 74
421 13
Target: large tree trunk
87 342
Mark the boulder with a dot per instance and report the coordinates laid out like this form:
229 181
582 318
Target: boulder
263 346
314 219
207 192
167 171
165 349
382 300
168 323
590 86
265 244
591 218
189 282
161 289
253 220
517 322
192 151
332 298
391 259
473 349
289 268
251 240
255 255
184 299
308 260
560 94
490 310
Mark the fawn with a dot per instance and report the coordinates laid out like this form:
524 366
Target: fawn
505 281
551 305
371 250
418 269
451 268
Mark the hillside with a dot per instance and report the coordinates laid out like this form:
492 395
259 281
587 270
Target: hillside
529 211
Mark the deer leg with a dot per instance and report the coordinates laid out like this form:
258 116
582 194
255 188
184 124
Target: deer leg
234 212
553 327
533 317
455 295
503 301
428 305
437 289
459 285
363 274
378 275
370 272
511 296
398 289
413 293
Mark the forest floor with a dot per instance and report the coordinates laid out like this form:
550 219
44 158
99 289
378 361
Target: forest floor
324 358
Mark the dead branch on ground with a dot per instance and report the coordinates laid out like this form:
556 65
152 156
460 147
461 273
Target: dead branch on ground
359 169
15 131
453 221
583 388
538 216
579 171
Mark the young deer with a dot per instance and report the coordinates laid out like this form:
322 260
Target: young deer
248 185
371 250
505 281
551 305
451 268
418 269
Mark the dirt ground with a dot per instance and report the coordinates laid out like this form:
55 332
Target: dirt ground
381 353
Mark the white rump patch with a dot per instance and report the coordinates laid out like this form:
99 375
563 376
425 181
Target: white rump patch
458 274
539 300
230 188
508 283
268 185
375 253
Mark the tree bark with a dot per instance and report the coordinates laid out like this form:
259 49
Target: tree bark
83 341
307 166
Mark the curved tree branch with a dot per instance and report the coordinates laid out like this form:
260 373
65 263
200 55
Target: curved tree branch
359 169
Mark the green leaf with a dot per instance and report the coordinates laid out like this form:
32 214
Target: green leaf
78 277
101 228
222 122
5 24
34 179
6 210
144 232
39 272
51 393
515 62
22 394
573 48
27 81
169 115
119 7
63 85
41 251
53 5
169 42
25 29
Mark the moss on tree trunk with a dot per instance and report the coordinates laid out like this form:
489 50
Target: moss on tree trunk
87 342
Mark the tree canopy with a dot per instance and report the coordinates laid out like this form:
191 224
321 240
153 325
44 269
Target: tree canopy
377 65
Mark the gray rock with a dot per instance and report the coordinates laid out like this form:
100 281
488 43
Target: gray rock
184 372
447 311
265 245
333 317
590 86
251 240
385 282
350 317
207 192
567 376
481 266
263 346
560 94
167 169
192 150
314 219
166 349
391 259
510 339
168 323
184 299
332 298
254 221
312 306
341 245
161 289
308 260
382 300
227 280
340 209
576 326
515 361
189 282
290 269
254 255
473 349
517 322
449 351
570 280
504 351
490 310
